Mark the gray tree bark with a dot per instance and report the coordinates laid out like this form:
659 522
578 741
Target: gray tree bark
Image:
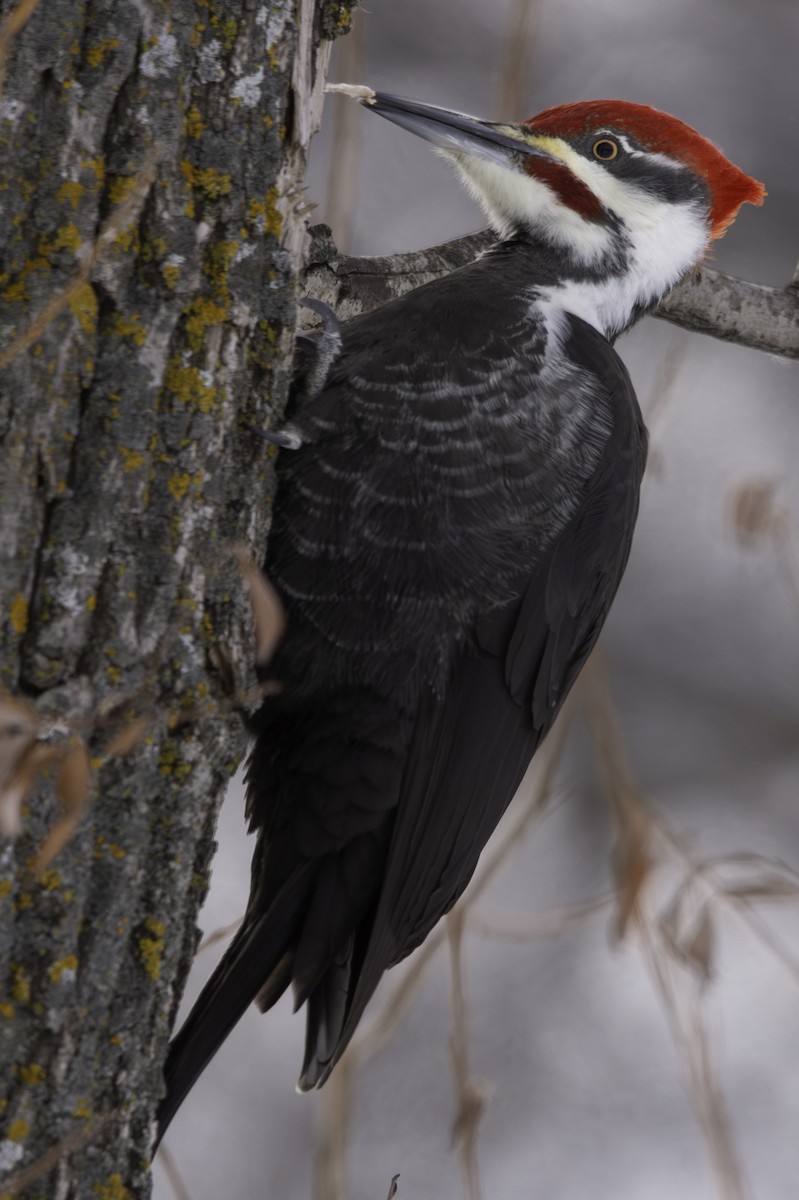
152 230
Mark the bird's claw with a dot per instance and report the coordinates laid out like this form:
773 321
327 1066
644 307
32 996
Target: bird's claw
287 438
330 321
322 348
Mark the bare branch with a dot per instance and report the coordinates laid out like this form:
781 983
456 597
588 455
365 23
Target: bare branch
173 1174
331 1180
683 1008
676 966
758 518
738 901
471 1092
632 857
517 54
506 925
735 310
707 301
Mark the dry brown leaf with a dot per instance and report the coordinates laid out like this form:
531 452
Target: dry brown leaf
267 608
762 880
758 877
631 865
755 514
18 714
698 948
56 840
34 759
475 1094
765 889
20 725
687 929
671 919
223 661
128 738
14 23
72 781
12 798
72 786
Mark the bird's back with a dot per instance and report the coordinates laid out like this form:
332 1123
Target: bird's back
447 541
433 604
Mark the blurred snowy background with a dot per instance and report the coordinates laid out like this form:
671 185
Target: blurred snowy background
591 1049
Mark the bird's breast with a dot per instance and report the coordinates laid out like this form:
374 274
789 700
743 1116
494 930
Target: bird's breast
439 463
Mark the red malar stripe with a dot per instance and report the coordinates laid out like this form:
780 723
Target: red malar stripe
570 190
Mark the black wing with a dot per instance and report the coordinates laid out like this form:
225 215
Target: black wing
448 546
470 750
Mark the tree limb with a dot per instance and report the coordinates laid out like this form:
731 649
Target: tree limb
706 301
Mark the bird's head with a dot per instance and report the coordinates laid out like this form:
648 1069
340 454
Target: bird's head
618 191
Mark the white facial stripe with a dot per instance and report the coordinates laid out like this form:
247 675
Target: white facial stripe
622 140
661 239
511 198
653 156
661 249
620 196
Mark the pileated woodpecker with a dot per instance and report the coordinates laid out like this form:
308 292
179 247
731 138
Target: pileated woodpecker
447 540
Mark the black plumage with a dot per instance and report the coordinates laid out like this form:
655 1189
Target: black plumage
447 541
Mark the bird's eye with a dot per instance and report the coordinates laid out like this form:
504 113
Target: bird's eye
605 149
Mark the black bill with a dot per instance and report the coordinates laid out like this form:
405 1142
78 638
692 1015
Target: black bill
453 131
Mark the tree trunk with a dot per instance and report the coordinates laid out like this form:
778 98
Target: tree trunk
150 241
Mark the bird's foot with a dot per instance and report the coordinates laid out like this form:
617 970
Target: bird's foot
321 348
288 437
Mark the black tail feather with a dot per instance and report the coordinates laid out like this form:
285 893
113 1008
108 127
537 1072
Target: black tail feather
256 952
327 1011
